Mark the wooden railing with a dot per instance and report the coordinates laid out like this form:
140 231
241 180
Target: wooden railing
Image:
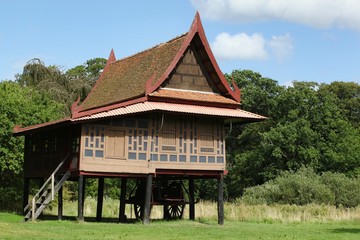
42 196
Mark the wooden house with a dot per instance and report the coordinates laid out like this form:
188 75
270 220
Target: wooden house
156 115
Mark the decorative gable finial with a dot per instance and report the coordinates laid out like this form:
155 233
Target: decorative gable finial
112 57
75 108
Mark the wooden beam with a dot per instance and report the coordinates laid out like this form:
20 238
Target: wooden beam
26 192
147 202
60 204
80 198
100 199
192 199
220 203
122 217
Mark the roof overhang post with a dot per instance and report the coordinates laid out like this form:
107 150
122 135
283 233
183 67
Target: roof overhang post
147 202
220 203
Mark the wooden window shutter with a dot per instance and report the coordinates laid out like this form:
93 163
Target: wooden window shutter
169 135
206 137
115 144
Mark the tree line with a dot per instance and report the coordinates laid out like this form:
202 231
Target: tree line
312 125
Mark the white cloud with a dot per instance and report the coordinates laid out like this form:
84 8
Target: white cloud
239 46
281 46
252 47
316 13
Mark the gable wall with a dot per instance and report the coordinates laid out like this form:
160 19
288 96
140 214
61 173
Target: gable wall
189 75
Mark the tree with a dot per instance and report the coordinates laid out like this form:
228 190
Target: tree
348 99
19 106
83 77
306 126
62 87
259 95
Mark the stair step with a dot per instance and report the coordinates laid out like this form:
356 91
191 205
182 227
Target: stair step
44 197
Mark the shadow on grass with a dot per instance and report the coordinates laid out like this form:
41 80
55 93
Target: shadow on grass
346 230
93 219
86 219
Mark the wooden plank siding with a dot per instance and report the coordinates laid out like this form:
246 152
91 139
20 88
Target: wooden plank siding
142 145
45 150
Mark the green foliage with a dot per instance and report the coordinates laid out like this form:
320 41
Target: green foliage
346 189
309 124
18 106
62 87
306 187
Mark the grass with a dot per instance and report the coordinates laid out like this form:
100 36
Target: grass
237 211
241 222
12 227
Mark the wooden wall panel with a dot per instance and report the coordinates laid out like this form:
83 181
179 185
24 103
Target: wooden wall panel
160 141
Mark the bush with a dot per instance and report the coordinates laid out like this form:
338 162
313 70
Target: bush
303 187
262 194
300 188
346 190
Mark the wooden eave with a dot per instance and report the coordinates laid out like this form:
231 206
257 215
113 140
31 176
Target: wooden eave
19 131
192 98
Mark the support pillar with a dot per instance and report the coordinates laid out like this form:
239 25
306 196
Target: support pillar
148 192
192 199
100 199
60 204
122 217
81 199
220 203
41 183
26 192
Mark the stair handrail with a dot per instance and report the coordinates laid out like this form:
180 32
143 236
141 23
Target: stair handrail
52 179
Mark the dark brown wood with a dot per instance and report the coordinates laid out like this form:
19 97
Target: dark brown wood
122 217
148 192
83 192
192 199
220 203
26 192
100 199
60 204
81 198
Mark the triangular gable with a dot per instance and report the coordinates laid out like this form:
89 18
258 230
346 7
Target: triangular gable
190 75
196 38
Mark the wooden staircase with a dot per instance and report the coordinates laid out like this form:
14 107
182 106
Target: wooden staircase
47 192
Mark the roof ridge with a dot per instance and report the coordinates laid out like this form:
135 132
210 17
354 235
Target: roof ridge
150 48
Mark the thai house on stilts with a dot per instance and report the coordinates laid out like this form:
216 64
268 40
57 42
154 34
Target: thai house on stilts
157 116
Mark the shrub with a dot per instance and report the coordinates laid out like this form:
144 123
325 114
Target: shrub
346 190
300 188
303 187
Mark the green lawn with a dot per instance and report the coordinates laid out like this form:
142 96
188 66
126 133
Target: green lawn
12 227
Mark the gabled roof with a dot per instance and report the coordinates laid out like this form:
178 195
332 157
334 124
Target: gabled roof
133 79
138 83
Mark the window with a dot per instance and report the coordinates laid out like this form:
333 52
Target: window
206 137
115 144
93 141
169 135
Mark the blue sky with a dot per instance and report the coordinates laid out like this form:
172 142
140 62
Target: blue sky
285 40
